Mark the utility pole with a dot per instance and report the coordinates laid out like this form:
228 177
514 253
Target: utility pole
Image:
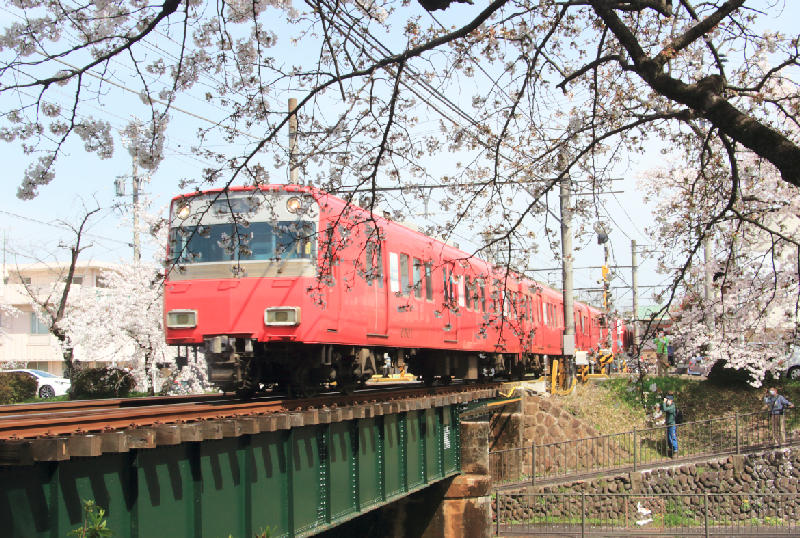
5 238
566 274
294 171
602 239
137 254
635 286
607 295
127 142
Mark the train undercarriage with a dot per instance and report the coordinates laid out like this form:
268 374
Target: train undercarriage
245 366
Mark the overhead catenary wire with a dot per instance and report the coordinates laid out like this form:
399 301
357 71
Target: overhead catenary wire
64 227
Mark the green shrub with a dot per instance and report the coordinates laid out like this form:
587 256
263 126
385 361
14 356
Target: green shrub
721 376
93 383
16 387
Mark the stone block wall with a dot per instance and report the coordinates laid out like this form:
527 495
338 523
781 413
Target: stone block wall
547 423
768 472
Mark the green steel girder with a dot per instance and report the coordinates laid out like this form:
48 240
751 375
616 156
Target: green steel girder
301 481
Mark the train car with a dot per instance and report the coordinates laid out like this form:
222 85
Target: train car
285 285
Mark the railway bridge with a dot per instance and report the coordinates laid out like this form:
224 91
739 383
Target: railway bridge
218 467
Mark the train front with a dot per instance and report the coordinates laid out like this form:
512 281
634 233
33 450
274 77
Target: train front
241 262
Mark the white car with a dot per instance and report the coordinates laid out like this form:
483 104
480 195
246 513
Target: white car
789 365
50 385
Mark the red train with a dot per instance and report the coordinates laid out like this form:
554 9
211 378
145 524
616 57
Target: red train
288 286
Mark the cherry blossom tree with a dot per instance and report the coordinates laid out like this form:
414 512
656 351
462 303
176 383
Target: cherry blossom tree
50 300
633 70
6 311
751 312
123 320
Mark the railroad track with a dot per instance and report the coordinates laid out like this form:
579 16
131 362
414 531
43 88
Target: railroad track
120 403
59 430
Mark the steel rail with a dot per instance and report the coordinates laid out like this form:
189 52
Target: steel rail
88 405
105 419
108 403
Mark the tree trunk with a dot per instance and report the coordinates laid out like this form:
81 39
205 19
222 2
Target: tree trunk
151 388
66 352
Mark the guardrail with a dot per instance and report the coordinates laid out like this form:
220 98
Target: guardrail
622 514
638 447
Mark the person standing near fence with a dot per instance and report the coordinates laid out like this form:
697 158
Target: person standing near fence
776 405
669 409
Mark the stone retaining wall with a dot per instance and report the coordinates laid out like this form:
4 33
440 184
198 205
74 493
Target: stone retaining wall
768 472
547 423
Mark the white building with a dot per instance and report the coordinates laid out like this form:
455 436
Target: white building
27 338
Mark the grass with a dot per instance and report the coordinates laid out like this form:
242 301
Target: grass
602 408
670 520
697 398
615 405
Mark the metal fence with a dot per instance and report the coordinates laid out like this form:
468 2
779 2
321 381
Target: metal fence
634 449
584 514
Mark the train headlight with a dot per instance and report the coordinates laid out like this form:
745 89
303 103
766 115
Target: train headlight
182 319
293 205
282 316
184 213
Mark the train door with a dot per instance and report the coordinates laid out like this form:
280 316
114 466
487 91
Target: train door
377 297
450 286
538 337
333 298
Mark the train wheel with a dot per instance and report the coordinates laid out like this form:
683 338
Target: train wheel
245 393
446 380
302 386
346 385
252 379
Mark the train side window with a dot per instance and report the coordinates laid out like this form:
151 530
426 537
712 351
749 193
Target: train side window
483 298
428 282
461 289
374 264
370 263
417 279
394 280
467 292
404 283
453 287
446 283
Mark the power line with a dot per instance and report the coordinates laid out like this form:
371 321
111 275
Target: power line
64 228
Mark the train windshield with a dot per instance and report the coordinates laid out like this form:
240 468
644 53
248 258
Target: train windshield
259 241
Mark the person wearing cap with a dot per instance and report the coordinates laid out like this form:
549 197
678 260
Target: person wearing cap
669 409
776 404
